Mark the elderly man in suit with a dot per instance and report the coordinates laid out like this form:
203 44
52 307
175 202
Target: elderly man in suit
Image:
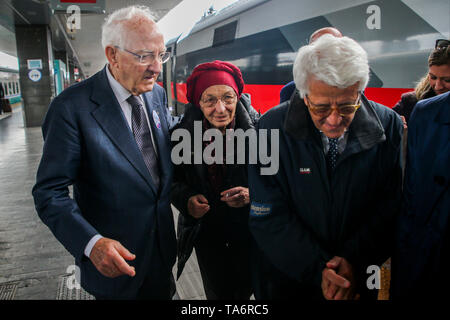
108 136
422 256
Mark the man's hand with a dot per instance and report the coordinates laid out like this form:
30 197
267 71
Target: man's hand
198 206
236 197
338 281
109 256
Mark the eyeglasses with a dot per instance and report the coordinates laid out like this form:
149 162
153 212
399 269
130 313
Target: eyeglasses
211 101
441 43
149 57
342 109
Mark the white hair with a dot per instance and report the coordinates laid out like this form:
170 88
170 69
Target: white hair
339 62
113 30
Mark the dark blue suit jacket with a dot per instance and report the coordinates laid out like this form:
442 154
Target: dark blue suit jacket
88 144
422 246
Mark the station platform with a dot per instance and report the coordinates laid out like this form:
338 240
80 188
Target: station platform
33 264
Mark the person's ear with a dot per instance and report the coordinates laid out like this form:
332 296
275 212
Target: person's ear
111 55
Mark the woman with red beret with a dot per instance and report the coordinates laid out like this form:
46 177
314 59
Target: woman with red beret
213 199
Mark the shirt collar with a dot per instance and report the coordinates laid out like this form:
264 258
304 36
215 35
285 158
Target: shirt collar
341 142
120 92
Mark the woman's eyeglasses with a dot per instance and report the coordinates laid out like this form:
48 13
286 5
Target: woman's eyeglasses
211 101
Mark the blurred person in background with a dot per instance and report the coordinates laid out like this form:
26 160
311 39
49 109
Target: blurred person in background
435 82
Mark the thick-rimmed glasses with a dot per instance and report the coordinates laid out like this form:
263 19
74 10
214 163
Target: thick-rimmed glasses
211 101
342 109
441 43
148 57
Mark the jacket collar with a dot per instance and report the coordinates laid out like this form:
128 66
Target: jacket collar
109 116
193 113
443 116
365 130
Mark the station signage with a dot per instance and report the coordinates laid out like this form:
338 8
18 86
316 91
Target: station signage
35 75
34 64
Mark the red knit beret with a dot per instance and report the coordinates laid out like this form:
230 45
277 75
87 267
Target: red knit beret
213 73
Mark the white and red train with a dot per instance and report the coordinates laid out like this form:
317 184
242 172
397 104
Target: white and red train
262 37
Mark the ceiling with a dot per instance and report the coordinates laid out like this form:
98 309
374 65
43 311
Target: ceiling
84 46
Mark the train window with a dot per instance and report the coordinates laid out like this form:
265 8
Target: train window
225 34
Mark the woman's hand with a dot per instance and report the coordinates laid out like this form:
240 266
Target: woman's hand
198 206
236 197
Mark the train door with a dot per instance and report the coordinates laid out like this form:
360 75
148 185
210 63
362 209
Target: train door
167 80
169 77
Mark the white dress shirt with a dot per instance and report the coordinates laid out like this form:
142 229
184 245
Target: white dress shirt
121 95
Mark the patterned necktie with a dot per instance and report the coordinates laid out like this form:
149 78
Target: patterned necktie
141 132
332 152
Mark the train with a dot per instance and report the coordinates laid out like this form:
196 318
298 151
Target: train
9 80
262 38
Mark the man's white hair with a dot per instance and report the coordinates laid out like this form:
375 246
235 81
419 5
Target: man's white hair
339 62
113 30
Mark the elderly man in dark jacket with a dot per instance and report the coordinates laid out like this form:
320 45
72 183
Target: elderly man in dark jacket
327 215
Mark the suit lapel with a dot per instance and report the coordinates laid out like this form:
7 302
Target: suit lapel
111 119
159 131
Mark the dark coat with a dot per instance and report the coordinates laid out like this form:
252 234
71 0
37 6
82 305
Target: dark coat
420 264
88 144
407 102
191 179
287 91
300 218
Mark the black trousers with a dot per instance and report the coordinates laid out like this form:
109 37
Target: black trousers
225 270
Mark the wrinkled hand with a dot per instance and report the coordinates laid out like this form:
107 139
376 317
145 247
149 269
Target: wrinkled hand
236 197
405 125
198 206
109 256
338 281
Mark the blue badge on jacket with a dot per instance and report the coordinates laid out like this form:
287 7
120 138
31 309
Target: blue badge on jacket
260 209
156 119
